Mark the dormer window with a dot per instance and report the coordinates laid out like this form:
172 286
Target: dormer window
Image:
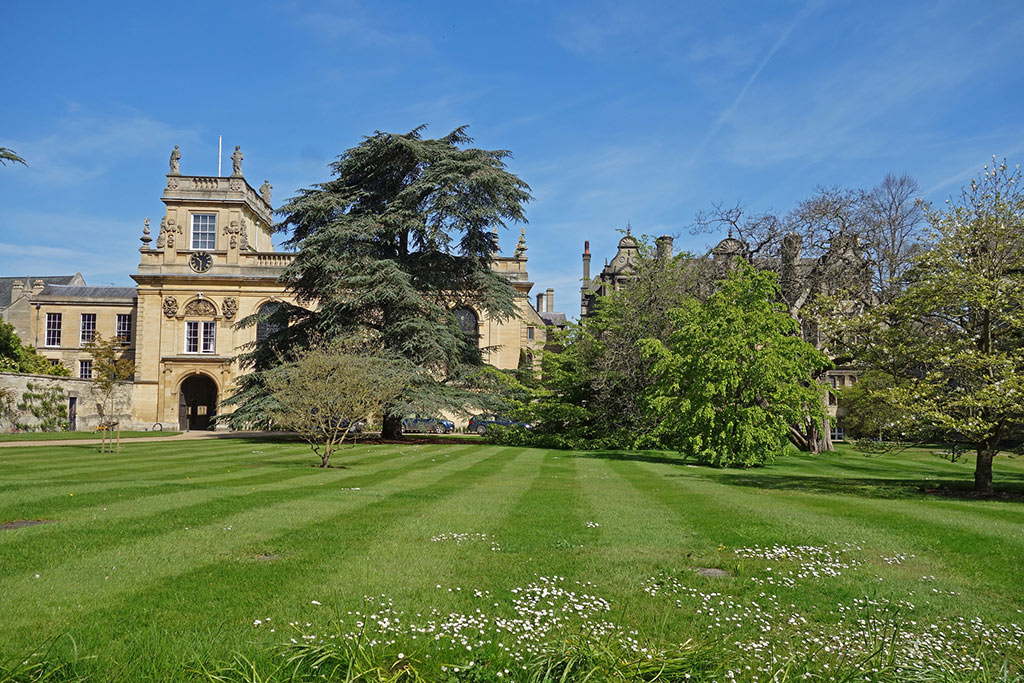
204 231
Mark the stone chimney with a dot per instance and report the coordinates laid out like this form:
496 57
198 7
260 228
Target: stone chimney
586 261
791 247
664 247
17 289
37 286
549 305
540 302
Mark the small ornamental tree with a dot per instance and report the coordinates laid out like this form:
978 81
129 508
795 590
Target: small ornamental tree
110 367
326 391
733 375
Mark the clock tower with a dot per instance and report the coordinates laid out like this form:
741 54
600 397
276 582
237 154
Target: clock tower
212 264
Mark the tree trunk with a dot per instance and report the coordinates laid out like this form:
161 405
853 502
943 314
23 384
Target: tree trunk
814 438
392 427
811 438
798 438
826 436
983 470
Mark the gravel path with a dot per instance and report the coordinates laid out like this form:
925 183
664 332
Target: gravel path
178 437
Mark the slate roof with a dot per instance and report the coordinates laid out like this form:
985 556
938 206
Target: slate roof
556 319
87 292
7 284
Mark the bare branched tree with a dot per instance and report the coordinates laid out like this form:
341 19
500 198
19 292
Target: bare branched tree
891 232
762 233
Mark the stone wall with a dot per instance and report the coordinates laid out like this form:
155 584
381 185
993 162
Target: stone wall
85 396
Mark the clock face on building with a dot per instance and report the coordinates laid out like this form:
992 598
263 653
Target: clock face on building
200 261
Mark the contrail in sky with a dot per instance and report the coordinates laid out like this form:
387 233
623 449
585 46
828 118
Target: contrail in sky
750 81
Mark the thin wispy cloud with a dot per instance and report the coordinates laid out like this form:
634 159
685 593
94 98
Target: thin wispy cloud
975 168
726 113
8 250
83 146
349 23
73 242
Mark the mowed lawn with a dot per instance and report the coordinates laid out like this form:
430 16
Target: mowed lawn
166 554
78 436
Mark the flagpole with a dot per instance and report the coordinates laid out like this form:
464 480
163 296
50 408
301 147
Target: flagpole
220 152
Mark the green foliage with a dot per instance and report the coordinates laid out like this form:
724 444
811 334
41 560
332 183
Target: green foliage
15 357
713 399
48 404
403 234
952 343
872 412
7 155
594 374
733 374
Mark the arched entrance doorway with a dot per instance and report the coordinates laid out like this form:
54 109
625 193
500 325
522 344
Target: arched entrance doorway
197 403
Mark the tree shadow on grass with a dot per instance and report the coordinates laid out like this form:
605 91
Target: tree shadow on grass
659 457
1009 486
870 487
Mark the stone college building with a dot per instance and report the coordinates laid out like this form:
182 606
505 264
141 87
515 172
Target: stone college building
211 263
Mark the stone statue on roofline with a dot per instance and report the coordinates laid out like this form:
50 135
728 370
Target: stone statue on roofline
236 161
265 189
175 161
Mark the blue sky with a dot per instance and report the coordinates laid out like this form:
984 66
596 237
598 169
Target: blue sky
643 112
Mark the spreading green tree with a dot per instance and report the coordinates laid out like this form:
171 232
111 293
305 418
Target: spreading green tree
952 343
734 374
402 235
16 357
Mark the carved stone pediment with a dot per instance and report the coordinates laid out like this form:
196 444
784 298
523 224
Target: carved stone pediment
200 307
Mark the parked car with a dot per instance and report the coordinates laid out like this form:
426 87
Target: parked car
479 424
357 426
427 425
343 422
